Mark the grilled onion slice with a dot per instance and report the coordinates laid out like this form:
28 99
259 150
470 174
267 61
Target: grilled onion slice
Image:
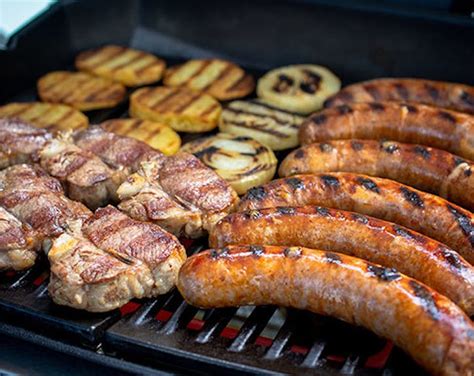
242 161
275 128
54 117
298 88
157 135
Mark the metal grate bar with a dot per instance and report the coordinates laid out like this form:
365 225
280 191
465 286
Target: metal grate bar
183 314
42 289
252 327
148 309
214 324
314 354
350 364
280 342
26 277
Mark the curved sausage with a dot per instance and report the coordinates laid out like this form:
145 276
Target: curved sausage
417 124
428 326
354 234
381 198
450 95
431 170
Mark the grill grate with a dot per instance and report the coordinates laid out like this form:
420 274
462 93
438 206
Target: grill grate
168 331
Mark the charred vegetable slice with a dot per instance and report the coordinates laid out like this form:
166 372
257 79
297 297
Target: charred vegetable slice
275 128
242 161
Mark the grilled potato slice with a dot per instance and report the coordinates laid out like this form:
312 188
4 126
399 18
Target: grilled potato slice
298 88
219 78
275 128
80 90
157 135
125 65
182 109
242 161
54 117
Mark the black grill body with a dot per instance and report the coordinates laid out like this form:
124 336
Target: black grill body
358 41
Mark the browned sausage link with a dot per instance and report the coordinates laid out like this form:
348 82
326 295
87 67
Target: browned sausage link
381 198
450 95
425 168
417 124
428 326
354 234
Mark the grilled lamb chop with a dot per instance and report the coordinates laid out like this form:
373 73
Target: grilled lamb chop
18 243
119 152
37 200
112 260
180 194
20 142
85 177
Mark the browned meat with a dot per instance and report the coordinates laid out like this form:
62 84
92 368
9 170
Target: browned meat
19 245
37 200
20 142
455 96
416 124
112 260
381 198
357 235
429 169
119 152
428 326
85 177
180 194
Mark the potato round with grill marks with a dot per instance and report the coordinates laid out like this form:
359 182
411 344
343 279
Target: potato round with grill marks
219 78
182 109
242 161
54 117
80 90
273 127
157 135
298 88
125 65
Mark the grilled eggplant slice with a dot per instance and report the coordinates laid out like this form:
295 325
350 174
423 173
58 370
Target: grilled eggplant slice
182 109
242 161
298 88
54 117
219 78
157 135
128 66
273 127
80 90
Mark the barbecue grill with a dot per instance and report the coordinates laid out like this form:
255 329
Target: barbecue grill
356 41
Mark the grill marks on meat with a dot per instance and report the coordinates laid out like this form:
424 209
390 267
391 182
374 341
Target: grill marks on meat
18 243
369 238
118 152
20 142
416 124
180 194
429 169
428 326
436 93
85 177
33 210
112 260
383 198
37 199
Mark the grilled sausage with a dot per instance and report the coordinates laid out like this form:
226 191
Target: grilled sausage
357 235
450 95
428 326
432 170
381 198
418 124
